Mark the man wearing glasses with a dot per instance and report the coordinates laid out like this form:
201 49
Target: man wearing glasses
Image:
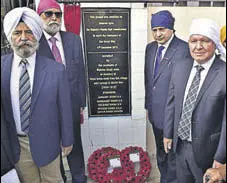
66 48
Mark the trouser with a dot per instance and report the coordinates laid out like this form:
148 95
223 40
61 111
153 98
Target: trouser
166 162
76 157
76 164
187 169
29 172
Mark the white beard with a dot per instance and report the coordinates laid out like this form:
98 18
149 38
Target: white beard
52 28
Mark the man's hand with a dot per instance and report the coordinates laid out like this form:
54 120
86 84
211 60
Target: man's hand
81 109
81 115
215 175
147 116
66 150
167 144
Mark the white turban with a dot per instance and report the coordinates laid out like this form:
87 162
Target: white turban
210 29
29 17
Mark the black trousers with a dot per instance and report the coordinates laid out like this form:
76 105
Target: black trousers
187 169
76 157
166 162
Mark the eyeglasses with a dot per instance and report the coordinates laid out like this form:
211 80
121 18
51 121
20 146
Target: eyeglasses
49 14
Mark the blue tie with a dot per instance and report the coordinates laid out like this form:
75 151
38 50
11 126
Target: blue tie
158 60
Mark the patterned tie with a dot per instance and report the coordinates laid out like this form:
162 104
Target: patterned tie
55 50
158 60
185 122
24 96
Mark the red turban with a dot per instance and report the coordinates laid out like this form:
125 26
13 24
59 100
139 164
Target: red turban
47 4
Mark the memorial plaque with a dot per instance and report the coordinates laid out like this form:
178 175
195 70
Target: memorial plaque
106 34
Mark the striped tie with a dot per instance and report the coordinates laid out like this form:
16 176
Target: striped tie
24 97
189 104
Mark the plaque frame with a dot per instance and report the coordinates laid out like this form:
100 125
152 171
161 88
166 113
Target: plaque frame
99 11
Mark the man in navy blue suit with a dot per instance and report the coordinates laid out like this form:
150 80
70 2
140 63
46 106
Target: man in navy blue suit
195 111
161 55
37 101
70 54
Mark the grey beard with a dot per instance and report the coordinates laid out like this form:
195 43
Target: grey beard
52 29
26 52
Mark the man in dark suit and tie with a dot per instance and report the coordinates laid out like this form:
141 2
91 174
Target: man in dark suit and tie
66 49
37 101
161 55
196 105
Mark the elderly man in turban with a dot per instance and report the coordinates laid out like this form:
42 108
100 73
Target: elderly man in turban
66 48
195 110
161 55
37 99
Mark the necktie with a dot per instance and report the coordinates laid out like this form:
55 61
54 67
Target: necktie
24 97
158 60
185 122
55 50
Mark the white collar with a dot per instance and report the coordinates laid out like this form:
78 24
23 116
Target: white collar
31 59
207 64
48 36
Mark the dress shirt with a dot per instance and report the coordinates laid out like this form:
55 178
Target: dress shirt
166 45
14 85
10 177
58 43
203 75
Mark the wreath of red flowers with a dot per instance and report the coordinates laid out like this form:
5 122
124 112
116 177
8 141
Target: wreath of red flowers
145 165
93 166
103 163
98 164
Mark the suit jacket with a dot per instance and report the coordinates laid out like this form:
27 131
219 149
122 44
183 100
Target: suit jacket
207 116
8 157
74 65
76 73
51 114
156 89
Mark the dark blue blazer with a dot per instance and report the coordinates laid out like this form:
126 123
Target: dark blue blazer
75 69
156 89
51 114
74 66
208 114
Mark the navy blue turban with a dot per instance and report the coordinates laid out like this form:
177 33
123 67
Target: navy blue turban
163 19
